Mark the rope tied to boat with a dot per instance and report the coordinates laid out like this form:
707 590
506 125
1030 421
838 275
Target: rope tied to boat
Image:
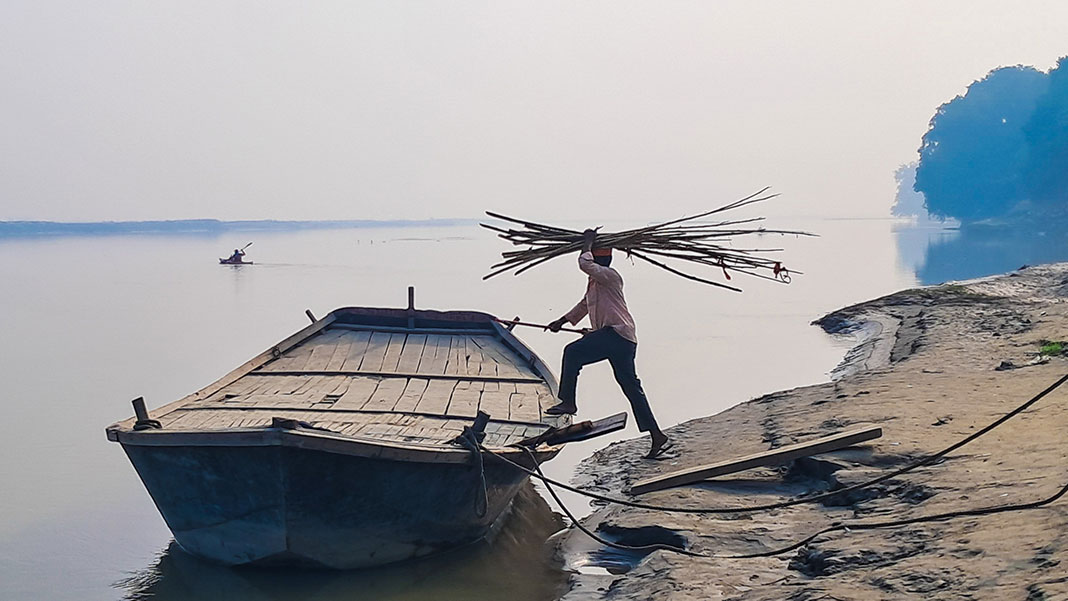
835 527
471 439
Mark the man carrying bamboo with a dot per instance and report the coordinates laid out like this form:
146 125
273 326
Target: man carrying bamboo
612 338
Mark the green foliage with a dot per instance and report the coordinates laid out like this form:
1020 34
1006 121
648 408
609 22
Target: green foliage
1046 133
975 149
1053 348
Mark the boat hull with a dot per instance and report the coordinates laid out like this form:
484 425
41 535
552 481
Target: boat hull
279 505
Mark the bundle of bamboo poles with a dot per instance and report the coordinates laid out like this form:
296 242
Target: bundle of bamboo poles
691 239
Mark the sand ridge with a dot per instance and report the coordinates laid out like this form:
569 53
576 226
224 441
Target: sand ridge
931 366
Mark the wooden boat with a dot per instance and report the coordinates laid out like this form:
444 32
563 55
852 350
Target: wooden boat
333 447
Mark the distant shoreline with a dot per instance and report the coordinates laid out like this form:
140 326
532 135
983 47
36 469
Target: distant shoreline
25 229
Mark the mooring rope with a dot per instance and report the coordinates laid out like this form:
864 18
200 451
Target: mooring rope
859 525
840 526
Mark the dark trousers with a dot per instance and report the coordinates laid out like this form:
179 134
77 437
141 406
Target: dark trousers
597 346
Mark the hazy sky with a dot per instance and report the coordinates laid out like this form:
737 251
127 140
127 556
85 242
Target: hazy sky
316 110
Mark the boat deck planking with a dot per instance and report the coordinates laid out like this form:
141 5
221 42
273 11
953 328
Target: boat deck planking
415 388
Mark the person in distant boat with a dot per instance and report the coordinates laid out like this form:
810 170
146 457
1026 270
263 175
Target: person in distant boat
612 338
237 257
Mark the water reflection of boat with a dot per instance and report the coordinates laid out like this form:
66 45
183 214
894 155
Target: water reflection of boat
333 448
514 565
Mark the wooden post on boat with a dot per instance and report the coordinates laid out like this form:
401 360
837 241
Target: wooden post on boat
139 409
144 422
411 307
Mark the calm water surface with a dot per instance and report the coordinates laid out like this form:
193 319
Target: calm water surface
90 323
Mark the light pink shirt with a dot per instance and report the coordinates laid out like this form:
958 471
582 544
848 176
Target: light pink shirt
604 300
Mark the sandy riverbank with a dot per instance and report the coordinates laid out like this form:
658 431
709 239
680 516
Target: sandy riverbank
926 369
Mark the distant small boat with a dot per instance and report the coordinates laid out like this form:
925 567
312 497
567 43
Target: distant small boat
334 448
233 262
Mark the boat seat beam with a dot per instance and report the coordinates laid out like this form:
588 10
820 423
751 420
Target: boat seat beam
399 374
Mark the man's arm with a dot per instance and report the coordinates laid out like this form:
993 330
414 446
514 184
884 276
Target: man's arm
589 236
573 316
599 273
580 310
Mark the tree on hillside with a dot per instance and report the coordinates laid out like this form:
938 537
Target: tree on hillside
975 149
1046 132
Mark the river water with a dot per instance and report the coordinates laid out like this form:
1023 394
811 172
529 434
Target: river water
89 323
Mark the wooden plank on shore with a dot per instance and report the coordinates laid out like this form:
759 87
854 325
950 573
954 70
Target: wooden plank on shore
766 458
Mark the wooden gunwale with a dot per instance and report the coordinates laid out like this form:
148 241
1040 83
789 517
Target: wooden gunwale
314 440
343 412
403 330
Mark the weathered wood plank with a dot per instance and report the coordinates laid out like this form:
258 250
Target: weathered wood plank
496 399
457 362
311 383
474 357
376 352
358 393
413 392
386 395
267 385
508 363
464 401
393 352
333 385
291 384
435 355
766 458
323 347
294 358
435 399
547 399
414 347
237 388
341 351
524 403
357 349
